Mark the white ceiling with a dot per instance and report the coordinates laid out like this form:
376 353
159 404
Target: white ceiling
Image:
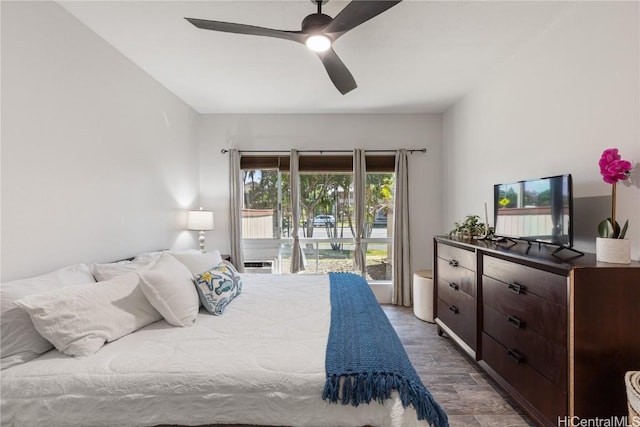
417 57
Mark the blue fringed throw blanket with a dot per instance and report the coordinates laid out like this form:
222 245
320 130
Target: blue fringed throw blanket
365 359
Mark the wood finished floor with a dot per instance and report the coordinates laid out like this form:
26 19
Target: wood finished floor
468 396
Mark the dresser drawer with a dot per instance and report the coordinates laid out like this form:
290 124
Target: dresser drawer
457 256
538 314
530 384
457 277
547 285
460 316
452 294
543 355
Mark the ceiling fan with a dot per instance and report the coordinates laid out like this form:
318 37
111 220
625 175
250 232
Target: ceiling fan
318 32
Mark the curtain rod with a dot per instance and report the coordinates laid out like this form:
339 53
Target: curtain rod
411 150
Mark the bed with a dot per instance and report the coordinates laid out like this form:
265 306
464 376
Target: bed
260 363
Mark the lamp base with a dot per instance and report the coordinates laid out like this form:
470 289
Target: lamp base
201 240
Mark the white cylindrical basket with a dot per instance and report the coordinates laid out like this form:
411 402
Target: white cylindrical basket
423 295
616 251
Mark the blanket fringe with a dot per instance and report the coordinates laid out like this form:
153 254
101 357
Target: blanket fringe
360 388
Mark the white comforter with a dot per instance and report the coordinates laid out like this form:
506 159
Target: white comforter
262 362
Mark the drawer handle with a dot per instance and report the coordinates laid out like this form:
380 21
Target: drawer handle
514 287
453 309
515 356
454 263
515 322
454 286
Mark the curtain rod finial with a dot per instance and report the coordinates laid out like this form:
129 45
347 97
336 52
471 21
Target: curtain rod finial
224 151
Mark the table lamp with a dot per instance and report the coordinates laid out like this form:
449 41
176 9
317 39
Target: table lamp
201 221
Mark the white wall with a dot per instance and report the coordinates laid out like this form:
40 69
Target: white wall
340 131
98 160
552 108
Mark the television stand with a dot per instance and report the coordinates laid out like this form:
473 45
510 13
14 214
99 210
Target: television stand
529 244
501 239
556 250
569 248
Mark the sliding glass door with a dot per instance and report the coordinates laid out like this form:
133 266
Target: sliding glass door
326 228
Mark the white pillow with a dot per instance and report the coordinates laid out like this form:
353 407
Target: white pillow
198 262
109 271
78 320
20 341
168 287
156 254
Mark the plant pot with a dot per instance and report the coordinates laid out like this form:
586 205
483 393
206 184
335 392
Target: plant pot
465 235
617 251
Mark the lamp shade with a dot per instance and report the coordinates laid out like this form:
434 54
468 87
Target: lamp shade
200 220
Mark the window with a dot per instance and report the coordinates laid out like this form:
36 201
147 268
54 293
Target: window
379 225
326 227
265 191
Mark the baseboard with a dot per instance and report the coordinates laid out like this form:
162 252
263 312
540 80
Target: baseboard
382 291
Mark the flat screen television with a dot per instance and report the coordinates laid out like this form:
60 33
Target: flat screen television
535 210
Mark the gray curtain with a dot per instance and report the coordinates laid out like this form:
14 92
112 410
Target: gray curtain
401 242
235 209
297 263
359 181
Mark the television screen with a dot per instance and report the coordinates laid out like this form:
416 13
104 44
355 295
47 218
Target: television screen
538 210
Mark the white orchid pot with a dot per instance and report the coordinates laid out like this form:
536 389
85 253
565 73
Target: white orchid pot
617 251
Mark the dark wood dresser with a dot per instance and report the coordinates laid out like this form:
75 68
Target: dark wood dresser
456 294
557 332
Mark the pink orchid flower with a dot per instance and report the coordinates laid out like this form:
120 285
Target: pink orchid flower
612 167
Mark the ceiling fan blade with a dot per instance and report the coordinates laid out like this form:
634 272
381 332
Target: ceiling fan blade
229 27
338 72
356 13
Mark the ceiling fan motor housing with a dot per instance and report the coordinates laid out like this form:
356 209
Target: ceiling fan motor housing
315 22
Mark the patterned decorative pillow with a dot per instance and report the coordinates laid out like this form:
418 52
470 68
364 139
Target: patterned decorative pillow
218 286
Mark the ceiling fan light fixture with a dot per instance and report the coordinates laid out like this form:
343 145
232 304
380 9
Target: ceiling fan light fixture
318 43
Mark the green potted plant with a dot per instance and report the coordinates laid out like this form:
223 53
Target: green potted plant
470 227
